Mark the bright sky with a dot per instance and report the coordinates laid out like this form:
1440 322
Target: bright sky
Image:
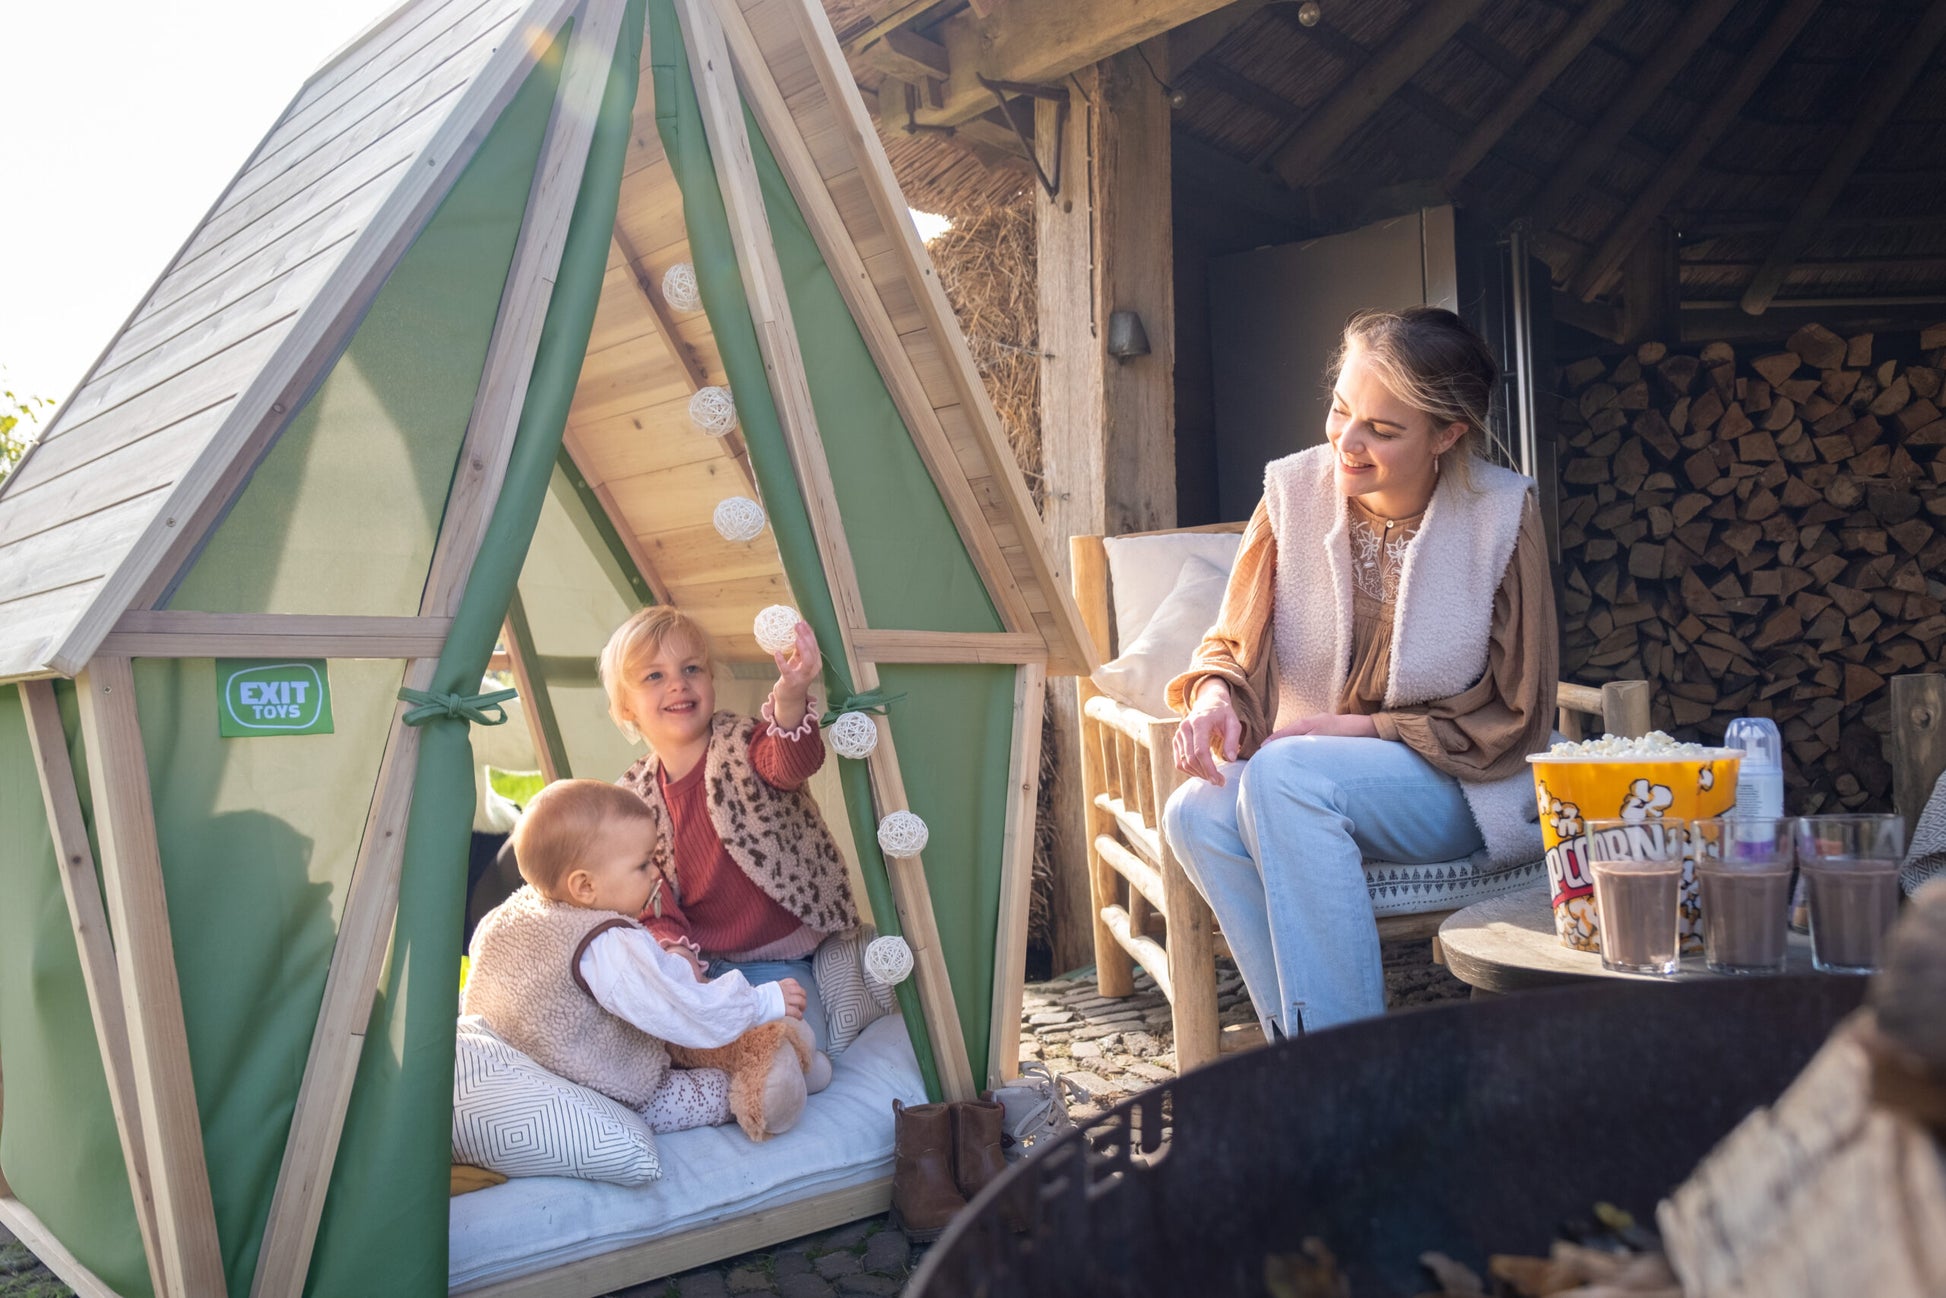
122 121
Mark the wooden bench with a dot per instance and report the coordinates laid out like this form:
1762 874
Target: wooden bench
1145 908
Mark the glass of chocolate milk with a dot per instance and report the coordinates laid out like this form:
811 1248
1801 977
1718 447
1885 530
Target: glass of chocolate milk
1637 865
1744 866
1851 868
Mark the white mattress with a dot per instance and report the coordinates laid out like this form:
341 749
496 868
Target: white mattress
844 1139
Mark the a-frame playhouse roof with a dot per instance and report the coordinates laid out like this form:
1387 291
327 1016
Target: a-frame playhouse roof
143 459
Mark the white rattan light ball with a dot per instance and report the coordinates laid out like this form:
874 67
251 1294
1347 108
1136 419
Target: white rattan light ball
738 518
854 735
776 628
679 287
888 961
714 410
902 834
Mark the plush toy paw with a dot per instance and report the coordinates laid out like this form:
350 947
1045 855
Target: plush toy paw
767 1067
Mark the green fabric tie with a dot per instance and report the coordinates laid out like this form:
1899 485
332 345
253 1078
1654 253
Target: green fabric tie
875 701
460 707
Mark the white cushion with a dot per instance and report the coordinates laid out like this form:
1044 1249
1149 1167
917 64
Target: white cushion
1141 676
1142 570
514 1117
710 1174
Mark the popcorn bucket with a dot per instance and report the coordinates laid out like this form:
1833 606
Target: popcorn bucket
1575 787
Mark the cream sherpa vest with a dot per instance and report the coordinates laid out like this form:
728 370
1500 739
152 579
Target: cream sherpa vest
1443 617
776 837
526 982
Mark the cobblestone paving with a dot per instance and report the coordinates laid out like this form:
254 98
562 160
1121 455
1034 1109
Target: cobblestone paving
1109 1048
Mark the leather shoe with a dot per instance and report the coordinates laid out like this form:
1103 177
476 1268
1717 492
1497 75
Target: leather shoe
924 1196
977 1157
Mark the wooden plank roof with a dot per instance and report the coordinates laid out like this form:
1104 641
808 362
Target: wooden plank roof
216 343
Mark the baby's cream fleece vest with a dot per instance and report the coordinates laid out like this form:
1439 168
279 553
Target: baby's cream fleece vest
526 982
1442 618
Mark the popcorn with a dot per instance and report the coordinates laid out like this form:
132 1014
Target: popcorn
1654 746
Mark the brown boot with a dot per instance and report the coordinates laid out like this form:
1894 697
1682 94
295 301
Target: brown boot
976 1143
923 1196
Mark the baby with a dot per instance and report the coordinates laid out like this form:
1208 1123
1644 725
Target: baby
563 971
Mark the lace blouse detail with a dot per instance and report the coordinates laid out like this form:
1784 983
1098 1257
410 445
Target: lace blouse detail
1378 557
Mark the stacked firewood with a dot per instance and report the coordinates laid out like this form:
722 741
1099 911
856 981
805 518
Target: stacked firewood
1759 536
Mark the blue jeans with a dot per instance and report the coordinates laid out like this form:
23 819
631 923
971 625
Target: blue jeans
770 971
1278 851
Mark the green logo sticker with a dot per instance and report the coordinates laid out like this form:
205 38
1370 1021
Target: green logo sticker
255 697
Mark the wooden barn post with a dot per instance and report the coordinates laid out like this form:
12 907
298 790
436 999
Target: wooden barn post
1107 424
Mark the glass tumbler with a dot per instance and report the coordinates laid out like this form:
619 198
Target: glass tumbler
1637 865
1744 866
1850 866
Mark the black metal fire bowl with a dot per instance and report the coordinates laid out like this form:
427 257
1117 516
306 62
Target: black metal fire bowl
1469 1128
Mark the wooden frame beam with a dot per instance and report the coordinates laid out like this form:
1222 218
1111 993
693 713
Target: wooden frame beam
53 1254
100 973
1702 136
1888 91
605 496
1648 83
138 911
180 633
949 647
541 721
665 322
736 173
364 935
1016 876
1359 95
1528 88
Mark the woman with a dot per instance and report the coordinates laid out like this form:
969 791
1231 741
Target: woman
1384 659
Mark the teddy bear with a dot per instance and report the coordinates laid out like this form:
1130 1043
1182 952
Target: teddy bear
772 1068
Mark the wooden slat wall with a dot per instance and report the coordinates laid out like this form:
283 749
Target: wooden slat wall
163 389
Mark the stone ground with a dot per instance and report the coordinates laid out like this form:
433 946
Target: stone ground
1109 1048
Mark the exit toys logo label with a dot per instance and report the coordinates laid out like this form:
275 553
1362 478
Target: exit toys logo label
255 697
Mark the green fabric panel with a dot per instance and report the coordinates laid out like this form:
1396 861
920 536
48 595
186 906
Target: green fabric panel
258 840
955 732
679 121
58 1142
341 515
385 1220
891 506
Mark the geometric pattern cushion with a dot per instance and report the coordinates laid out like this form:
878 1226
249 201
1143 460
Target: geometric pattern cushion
851 998
516 1118
1398 889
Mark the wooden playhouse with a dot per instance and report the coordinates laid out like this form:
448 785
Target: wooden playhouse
413 383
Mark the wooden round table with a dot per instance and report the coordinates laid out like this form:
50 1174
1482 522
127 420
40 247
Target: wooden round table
1507 944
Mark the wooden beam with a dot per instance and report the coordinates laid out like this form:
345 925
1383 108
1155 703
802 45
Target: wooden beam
364 935
909 56
1039 44
138 914
1918 741
1538 76
617 519
182 633
839 246
1890 86
52 1253
937 313
1641 90
541 721
1701 137
1016 876
949 647
1728 322
736 174
1359 95
665 321
100 974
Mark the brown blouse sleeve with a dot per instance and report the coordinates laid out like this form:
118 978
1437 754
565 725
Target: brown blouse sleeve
1238 649
1484 731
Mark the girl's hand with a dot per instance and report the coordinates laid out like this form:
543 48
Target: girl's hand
1349 725
1211 724
794 998
798 668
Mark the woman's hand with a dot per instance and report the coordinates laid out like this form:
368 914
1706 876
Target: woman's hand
1349 725
1211 726
798 668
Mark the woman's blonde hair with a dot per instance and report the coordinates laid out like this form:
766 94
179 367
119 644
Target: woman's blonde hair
1433 361
556 829
637 640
